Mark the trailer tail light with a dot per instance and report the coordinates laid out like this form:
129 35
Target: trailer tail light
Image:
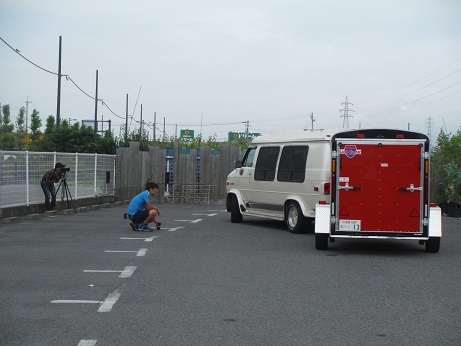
323 202
326 188
433 205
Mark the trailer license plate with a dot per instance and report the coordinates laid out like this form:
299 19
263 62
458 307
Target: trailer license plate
349 225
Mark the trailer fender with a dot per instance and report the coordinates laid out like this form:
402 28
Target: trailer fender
322 218
435 222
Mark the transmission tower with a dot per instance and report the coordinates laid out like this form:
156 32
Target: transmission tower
346 115
429 124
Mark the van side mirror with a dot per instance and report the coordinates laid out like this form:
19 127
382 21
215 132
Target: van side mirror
238 164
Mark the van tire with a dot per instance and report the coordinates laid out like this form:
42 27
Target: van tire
321 241
296 221
433 244
236 216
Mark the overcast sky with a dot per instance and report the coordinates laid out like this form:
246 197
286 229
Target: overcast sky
200 64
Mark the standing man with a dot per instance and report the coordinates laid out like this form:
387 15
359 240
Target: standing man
48 180
141 211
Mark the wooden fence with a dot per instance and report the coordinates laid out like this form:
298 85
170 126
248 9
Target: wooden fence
135 168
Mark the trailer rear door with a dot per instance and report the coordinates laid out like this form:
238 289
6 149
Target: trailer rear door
379 185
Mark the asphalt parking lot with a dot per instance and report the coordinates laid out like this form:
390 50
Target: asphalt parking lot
87 279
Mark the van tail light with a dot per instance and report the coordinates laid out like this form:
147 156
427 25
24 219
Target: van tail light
322 202
326 188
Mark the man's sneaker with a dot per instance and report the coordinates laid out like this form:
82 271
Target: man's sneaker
144 228
158 225
133 226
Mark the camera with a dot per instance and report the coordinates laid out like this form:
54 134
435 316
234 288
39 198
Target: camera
66 169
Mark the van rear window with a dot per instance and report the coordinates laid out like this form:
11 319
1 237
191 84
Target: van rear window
266 163
292 166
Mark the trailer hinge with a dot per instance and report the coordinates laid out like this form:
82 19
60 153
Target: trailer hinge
425 222
426 155
334 154
334 220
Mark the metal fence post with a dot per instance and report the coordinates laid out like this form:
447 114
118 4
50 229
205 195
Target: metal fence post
27 178
95 170
76 175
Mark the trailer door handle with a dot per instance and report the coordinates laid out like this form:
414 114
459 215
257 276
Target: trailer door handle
347 187
412 188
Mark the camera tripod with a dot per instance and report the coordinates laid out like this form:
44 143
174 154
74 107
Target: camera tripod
65 192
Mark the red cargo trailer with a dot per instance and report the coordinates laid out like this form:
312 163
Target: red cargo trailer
379 189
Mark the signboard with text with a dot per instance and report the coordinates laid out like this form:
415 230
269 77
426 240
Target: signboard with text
233 136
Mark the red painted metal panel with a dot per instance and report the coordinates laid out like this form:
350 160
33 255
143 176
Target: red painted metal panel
376 176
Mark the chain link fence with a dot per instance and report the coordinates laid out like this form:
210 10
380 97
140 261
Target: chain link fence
21 172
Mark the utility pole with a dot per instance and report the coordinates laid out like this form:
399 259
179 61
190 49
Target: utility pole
96 106
58 110
346 115
27 114
247 125
126 121
312 122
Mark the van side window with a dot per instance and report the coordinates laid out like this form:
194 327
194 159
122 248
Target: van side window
266 163
249 157
292 166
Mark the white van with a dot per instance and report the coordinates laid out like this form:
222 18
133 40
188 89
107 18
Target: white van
282 176
371 183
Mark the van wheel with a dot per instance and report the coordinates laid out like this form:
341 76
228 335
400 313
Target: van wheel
321 241
433 244
236 216
295 218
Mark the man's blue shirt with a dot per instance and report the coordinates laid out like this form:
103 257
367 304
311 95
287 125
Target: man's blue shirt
138 202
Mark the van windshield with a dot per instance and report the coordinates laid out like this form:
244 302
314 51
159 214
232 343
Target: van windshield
249 157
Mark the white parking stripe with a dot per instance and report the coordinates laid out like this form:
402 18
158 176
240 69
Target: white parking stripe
207 214
119 251
145 239
174 229
111 299
141 252
74 301
87 342
125 273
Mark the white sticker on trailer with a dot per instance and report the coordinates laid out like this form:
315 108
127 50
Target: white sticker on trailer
349 225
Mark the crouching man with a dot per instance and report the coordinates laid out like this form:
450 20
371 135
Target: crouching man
141 211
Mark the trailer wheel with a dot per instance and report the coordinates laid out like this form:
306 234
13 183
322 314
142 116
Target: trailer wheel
321 241
295 218
433 244
236 216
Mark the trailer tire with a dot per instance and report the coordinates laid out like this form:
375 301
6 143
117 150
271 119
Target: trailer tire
236 215
433 244
321 241
296 221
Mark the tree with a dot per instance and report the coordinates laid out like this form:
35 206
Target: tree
7 138
21 139
35 125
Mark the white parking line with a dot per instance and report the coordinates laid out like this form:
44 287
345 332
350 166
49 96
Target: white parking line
140 252
87 342
74 301
174 229
191 221
145 239
111 299
125 273
207 214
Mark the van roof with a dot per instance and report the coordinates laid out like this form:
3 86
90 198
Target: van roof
297 135
328 135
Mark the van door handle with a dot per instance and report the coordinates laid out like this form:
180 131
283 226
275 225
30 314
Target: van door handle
347 187
412 188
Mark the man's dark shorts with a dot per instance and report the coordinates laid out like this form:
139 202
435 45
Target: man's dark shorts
140 216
